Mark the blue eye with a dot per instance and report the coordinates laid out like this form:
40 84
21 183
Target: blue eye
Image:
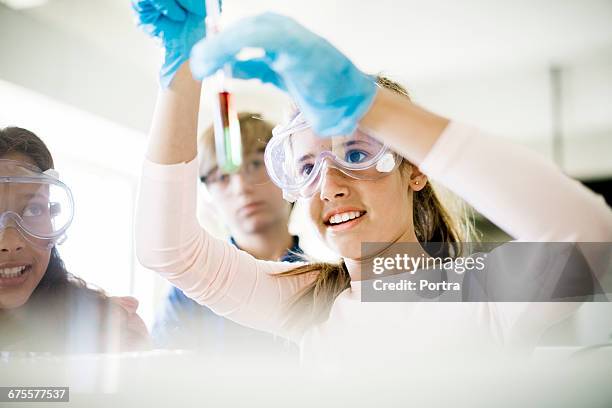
306 169
355 156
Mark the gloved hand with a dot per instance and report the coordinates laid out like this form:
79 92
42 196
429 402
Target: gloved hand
179 24
331 92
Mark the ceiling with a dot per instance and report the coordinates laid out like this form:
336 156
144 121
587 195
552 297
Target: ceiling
411 40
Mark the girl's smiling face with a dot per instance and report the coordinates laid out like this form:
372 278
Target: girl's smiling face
22 264
348 212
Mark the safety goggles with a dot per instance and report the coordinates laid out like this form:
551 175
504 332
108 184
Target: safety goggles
296 158
36 203
253 170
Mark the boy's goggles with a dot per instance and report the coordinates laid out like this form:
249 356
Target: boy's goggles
37 203
296 157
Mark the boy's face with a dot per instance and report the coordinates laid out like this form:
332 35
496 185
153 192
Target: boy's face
247 200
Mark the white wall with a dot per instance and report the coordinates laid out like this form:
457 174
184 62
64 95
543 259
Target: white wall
516 104
74 70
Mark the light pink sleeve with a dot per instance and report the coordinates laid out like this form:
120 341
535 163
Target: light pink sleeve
518 190
170 241
529 198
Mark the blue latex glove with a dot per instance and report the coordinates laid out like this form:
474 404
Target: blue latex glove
331 92
179 24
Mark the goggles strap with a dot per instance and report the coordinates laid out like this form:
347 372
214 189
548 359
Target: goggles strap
52 173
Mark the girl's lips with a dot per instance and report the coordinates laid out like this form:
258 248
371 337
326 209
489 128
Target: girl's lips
345 225
16 281
341 210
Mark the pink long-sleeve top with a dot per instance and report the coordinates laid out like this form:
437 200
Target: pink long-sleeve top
519 191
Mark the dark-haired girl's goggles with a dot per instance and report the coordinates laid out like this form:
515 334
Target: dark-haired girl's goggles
37 203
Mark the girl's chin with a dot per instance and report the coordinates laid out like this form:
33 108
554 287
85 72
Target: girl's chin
346 250
13 302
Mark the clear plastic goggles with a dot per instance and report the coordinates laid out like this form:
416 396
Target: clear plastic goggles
37 203
296 158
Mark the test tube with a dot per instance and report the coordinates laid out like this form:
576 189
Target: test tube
228 143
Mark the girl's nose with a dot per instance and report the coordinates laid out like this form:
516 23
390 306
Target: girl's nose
333 184
10 240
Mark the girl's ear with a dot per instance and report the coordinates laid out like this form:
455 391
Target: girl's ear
418 180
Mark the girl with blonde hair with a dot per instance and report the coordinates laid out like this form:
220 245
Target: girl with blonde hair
360 157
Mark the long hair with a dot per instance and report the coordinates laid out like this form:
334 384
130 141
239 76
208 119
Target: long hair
433 222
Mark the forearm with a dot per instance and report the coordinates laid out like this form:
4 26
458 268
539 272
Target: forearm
173 134
215 273
514 187
407 128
